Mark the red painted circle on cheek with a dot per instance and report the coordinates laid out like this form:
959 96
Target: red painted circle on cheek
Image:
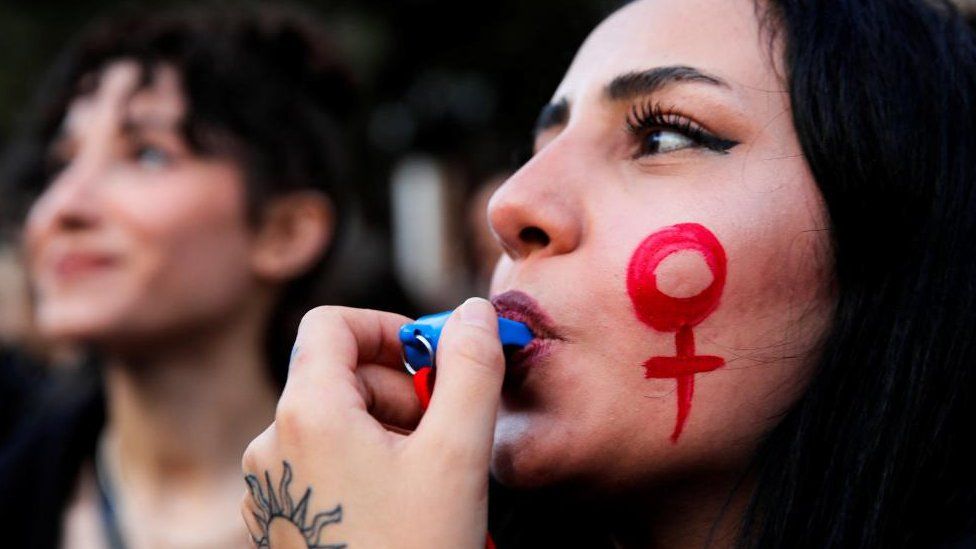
659 310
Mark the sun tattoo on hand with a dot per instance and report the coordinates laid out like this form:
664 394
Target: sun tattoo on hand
280 518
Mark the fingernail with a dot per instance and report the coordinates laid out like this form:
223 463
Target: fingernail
477 312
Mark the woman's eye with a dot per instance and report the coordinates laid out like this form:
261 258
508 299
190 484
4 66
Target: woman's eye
665 141
658 131
152 158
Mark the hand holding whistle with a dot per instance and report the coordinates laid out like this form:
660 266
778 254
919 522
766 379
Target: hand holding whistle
419 340
332 430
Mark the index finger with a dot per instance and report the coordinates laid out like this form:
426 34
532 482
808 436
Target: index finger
332 342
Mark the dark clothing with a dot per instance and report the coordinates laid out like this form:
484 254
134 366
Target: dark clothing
42 457
525 521
18 380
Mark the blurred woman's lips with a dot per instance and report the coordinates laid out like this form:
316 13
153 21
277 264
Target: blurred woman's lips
72 265
521 307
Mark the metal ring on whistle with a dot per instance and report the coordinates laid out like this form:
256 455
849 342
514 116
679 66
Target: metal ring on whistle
430 351
419 339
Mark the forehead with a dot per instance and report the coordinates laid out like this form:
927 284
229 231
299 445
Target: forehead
121 94
719 37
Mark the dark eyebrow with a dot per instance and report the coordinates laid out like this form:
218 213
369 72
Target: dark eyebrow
552 115
633 84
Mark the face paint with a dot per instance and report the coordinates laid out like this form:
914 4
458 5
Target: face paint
665 313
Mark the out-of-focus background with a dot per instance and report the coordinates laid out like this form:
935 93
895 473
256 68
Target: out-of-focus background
451 88
449 94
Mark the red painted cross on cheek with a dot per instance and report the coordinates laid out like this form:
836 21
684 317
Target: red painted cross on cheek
665 313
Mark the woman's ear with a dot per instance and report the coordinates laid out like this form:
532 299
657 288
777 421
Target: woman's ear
294 232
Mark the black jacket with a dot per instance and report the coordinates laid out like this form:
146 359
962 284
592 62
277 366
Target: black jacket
42 455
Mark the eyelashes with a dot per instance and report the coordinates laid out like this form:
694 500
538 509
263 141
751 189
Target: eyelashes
655 131
660 131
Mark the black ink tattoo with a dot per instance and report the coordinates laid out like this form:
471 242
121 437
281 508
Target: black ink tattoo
279 513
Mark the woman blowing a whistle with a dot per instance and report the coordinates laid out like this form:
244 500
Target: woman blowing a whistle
744 247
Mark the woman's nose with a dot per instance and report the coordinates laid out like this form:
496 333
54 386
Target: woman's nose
70 202
536 213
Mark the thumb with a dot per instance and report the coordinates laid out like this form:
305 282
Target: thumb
470 370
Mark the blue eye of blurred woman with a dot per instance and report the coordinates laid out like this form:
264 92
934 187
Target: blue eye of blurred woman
152 157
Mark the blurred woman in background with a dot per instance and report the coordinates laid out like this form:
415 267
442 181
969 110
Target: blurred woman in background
185 180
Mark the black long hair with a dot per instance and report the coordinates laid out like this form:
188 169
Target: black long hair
878 452
264 85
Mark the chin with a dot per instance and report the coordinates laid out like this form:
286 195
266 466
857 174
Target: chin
76 322
521 460
69 332
551 473
552 457
515 469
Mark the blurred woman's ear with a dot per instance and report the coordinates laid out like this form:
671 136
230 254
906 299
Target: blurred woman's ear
294 232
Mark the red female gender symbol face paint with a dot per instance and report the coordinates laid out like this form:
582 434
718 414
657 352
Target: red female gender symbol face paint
666 313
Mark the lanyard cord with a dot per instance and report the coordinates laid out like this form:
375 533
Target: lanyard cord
106 500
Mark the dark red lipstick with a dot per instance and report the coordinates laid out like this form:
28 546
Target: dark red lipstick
521 307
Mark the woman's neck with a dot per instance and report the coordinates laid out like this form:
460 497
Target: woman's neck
704 512
182 412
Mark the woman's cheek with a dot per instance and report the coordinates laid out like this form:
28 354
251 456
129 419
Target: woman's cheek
675 280
189 246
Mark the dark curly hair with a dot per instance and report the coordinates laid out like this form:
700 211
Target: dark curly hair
264 86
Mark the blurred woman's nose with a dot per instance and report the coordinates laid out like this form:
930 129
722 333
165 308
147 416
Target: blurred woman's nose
537 211
71 201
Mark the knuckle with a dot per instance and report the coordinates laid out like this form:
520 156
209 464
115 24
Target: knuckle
298 361
297 424
249 459
257 449
316 316
290 420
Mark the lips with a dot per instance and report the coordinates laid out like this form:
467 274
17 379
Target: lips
75 264
521 307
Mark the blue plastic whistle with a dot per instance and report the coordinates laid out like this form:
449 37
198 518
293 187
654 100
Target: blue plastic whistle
419 339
